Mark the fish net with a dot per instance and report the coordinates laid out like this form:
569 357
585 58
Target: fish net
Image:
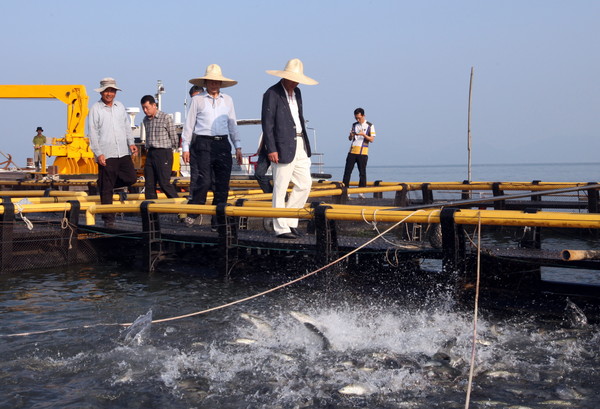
41 241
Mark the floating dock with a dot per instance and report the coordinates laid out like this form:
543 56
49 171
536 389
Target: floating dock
53 222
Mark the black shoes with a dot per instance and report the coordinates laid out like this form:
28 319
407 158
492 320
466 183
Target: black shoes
293 234
296 232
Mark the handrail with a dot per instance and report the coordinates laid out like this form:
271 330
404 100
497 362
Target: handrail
338 212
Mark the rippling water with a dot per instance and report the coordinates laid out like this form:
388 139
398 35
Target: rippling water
362 347
382 353
519 172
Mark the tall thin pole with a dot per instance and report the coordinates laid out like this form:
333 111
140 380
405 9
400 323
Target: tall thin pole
469 126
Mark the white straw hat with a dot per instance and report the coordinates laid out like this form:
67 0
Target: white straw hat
294 71
107 83
213 72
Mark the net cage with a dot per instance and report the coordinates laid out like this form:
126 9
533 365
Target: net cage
45 240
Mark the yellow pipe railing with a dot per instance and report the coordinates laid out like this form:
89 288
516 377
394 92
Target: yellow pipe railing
339 212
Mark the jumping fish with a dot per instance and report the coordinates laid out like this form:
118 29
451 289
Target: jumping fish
259 323
135 332
303 317
311 325
575 316
324 341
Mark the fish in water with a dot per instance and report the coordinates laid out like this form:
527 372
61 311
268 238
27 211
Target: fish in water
562 403
355 389
311 325
259 323
136 331
326 345
445 354
245 341
303 318
574 315
501 374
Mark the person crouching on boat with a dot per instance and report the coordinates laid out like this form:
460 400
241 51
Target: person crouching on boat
361 134
112 143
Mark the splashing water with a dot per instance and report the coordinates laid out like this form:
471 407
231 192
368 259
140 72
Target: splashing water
134 334
574 315
358 351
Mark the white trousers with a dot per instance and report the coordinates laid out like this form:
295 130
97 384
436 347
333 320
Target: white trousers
297 172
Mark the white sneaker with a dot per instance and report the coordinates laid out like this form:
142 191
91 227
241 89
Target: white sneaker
361 196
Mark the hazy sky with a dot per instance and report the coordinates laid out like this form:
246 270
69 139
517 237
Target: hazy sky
536 93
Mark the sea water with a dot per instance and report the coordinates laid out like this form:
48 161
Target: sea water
62 344
546 172
382 353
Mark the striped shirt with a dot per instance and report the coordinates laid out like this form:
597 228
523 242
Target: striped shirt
109 130
160 131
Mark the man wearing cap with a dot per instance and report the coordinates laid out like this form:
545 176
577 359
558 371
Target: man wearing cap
39 140
210 122
161 140
112 143
286 143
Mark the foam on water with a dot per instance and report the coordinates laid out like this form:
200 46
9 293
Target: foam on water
382 354
387 356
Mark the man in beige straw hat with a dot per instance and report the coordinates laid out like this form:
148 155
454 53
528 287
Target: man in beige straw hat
286 143
210 122
112 143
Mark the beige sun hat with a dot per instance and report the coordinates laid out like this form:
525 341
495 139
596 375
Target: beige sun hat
107 83
294 71
213 72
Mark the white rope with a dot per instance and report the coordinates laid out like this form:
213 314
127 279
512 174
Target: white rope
19 210
64 224
381 235
251 297
475 314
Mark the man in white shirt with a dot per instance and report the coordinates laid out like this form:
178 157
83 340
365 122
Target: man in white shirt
210 123
361 135
112 143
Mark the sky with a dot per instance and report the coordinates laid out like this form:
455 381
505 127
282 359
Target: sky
535 95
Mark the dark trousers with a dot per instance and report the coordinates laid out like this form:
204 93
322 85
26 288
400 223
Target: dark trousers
118 172
209 159
262 165
361 161
159 163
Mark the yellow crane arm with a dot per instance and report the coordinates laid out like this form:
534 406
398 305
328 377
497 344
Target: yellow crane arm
72 153
75 96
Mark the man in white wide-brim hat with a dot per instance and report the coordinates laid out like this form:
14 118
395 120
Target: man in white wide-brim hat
210 123
286 143
112 142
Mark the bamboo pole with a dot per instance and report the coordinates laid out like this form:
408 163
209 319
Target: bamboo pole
469 126
573 255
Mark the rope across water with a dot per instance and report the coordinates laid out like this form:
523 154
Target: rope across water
219 307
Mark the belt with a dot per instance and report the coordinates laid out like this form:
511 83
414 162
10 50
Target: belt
298 135
211 137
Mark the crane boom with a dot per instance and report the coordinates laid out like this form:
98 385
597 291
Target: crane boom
73 154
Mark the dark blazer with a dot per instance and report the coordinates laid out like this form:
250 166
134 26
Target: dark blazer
279 131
